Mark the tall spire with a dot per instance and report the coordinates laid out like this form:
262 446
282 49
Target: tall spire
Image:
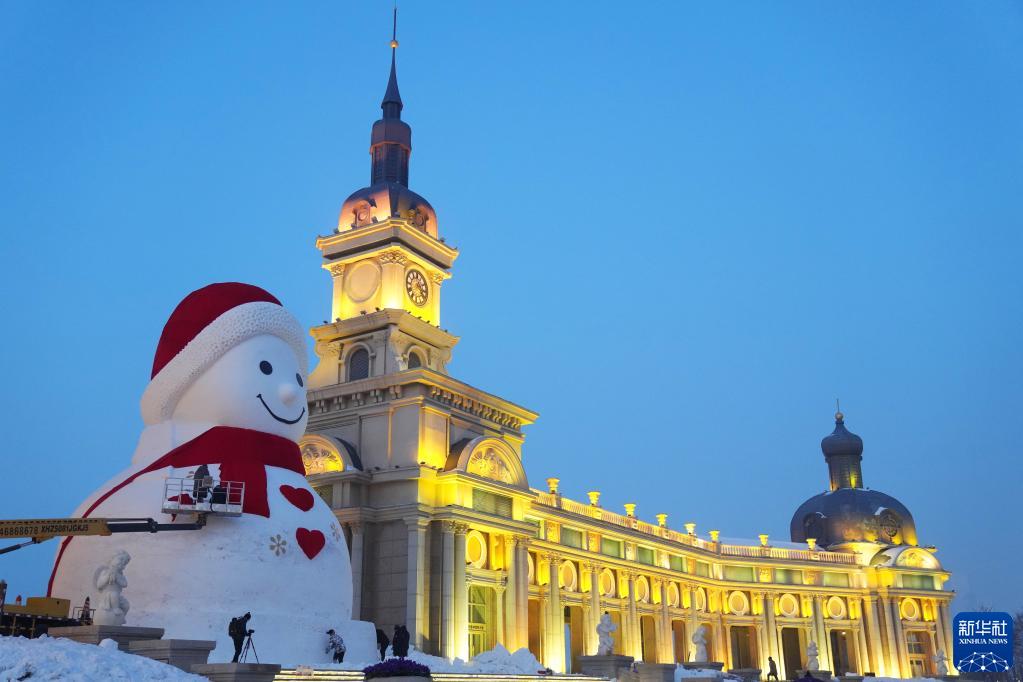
391 141
392 98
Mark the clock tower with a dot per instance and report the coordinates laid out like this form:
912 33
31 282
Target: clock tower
400 449
387 262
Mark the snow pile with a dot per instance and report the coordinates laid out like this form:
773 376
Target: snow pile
497 661
49 658
682 673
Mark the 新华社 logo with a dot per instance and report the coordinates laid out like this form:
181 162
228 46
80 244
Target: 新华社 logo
982 642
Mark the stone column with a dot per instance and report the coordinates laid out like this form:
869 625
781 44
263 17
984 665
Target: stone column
693 622
823 645
556 650
892 664
522 570
772 630
723 648
447 590
499 589
666 653
876 648
461 595
862 657
415 581
511 608
592 641
634 649
944 628
900 637
761 627
357 561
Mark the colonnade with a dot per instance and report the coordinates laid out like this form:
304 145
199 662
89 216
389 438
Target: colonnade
876 636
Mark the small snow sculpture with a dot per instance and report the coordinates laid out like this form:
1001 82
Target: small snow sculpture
700 644
109 580
941 662
605 643
812 662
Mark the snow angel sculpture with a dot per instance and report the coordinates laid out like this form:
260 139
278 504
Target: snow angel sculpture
700 644
812 662
109 580
605 643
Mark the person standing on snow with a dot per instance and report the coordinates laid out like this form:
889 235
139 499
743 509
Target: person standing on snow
336 644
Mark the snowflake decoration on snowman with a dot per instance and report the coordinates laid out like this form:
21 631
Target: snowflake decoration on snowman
227 394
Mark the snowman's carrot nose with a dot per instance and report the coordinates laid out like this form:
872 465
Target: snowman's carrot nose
288 393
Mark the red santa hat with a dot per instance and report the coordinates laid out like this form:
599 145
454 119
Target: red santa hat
205 325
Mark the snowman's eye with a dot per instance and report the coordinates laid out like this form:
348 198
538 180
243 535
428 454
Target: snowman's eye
298 378
265 367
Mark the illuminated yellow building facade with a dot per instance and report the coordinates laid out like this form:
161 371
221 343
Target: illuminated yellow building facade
447 536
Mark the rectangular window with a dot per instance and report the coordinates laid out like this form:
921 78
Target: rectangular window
703 569
645 555
740 573
788 576
918 582
677 563
498 505
611 547
572 537
536 525
836 579
326 492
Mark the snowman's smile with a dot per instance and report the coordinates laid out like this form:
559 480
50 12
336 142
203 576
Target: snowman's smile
280 419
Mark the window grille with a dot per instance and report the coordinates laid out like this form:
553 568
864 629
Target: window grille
358 365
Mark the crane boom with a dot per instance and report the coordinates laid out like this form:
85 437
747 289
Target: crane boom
40 530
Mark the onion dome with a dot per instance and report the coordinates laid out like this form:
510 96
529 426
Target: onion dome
848 512
842 442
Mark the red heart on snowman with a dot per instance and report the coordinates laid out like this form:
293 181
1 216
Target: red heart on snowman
300 497
311 541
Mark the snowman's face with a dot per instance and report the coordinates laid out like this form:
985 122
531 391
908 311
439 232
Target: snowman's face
256 385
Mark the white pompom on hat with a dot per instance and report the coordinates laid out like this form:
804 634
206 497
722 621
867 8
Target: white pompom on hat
205 325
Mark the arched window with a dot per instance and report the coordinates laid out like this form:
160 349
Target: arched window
414 360
358 365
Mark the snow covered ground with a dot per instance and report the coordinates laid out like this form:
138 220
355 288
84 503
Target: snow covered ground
496 661
50 658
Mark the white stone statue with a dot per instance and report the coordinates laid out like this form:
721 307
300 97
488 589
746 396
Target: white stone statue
109 580
812 662
700 644
605 643
941 662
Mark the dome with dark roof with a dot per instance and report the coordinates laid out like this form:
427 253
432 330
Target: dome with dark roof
385 200
853 515
848 512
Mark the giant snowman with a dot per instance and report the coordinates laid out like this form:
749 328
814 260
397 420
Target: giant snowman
227 391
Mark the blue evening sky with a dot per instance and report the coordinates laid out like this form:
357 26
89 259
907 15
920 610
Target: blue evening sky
685 229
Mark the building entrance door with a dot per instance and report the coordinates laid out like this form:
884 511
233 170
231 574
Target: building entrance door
791 652
841 660
648 638
744 653
918 646
481 619
678 636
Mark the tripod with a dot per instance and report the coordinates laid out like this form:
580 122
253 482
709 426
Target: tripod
248 645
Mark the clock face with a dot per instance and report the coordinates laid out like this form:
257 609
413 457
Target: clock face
415 286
